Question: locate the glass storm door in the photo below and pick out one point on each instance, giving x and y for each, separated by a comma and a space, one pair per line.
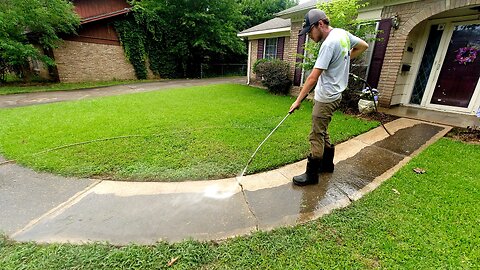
460, 70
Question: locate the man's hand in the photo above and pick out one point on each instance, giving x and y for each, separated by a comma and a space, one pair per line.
307, 86
295, 105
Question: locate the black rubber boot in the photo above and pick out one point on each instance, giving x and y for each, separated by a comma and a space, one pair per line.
327, 161
310, 177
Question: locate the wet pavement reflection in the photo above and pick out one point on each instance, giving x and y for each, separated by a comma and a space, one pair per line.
289, 204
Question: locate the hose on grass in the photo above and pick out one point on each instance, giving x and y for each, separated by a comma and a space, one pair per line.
126, 137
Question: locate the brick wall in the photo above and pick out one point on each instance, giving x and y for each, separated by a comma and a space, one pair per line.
79, 61
253, 59
410, 15
291, 49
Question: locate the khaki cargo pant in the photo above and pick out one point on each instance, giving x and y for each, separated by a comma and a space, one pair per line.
321, 117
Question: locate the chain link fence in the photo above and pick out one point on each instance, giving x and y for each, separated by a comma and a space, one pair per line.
222, 70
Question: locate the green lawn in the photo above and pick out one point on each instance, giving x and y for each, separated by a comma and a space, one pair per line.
17, 88
433, 223
180, 134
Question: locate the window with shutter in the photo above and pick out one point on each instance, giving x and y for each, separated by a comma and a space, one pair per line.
271, 48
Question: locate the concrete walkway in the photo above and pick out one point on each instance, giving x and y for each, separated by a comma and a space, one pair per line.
18, 100
46, 208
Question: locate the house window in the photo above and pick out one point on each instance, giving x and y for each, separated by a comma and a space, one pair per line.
361, 65
271, 48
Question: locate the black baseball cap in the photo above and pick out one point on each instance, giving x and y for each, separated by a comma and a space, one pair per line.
312, 17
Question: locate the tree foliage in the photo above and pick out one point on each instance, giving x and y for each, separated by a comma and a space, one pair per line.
175, 37
259, 11
179, 35
27, 22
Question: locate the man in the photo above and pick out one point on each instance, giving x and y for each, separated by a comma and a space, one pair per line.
330, 78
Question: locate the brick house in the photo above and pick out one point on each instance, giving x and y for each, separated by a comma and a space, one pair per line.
95, 52
426, 58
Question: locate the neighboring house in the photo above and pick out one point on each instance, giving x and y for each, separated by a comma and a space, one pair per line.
427, 56
95, 52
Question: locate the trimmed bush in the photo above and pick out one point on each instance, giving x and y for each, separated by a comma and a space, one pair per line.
274, 75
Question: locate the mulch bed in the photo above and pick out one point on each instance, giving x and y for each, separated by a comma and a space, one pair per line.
375, 116
468, 135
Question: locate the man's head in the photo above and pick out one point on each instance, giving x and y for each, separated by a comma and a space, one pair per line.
315, 19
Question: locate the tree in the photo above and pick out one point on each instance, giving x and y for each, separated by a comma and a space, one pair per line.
25, 22
259, 11
179, 35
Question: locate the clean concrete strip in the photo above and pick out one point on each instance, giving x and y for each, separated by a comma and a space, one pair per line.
145, 218
365, 163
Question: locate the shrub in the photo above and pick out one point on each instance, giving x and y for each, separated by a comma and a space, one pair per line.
274, 75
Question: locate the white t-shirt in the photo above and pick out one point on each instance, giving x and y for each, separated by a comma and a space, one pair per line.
334, 59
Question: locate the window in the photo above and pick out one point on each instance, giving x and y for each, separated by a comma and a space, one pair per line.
271, 48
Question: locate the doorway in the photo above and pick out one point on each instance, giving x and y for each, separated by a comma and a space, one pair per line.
451, 82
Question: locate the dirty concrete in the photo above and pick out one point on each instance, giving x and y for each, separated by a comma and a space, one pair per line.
26, 195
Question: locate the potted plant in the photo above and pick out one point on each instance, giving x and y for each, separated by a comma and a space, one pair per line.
368, 100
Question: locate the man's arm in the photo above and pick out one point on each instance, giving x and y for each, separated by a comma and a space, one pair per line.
309, 84
358, 49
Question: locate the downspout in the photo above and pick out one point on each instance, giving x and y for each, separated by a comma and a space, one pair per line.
304, 57
248, 61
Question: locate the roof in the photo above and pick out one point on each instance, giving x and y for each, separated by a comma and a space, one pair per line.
305, 6
94, 10
271, 26
104, 16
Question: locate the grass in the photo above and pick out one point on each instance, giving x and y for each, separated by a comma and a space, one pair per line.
19, 88
192, 133
433, 223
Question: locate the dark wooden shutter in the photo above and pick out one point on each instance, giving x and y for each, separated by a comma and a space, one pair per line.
260, 48
385, 25
298, 70
280, 47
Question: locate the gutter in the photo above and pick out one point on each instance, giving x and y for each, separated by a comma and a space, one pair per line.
104, 16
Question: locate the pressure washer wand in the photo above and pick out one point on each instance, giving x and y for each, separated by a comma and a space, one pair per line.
258, 148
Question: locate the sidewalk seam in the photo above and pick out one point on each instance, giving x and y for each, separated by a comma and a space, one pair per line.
248, 206
57, 208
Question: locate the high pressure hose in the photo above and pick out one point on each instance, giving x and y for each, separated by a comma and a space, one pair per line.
369, 87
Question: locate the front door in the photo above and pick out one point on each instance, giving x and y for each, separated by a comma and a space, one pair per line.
460, 71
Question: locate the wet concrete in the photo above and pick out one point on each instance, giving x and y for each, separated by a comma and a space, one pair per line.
351, 175
145, 219
144, 213
406, 141
439, 117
